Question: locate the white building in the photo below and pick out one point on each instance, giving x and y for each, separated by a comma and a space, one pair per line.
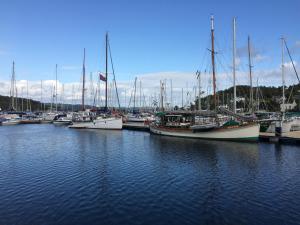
288, 106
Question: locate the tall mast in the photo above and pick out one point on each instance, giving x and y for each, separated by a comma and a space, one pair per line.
27, 102
56, 87
12, 88
250, 76
83, 81
233, 65
91, 90
182, 97
213, 60
171, 84
199, 89
22, 96
257, 95
282, 74
162, 95
140, 94
106, 68
41, 95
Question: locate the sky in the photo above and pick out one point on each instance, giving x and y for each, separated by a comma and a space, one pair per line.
152, 40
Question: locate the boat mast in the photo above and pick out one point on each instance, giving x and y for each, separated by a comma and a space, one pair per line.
199, 89
41, 95
106, 68
250, 76
171, 84
83, 80
282, 74
56, 87
140, 94
12, 89
213, 60
182, 97
134, 93
162, 95
234, 64
22, 96
27, 102
257, 95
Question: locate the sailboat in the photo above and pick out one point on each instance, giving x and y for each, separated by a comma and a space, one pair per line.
105, 120
284, 124
210, 125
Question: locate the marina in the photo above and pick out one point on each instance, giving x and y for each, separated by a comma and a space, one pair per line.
149, 112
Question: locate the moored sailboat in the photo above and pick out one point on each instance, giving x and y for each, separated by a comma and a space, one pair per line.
106, 120
210, 125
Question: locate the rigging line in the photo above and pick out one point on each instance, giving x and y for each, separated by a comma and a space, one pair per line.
130, 99
288, 51
291, 93
205, 55
113, 70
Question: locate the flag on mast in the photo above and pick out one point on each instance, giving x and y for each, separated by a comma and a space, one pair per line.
102, 77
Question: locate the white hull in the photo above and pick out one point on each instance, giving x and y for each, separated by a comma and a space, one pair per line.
7, 123
249, 132
62, 122
101, 123
79, 125
287, 126
136, 120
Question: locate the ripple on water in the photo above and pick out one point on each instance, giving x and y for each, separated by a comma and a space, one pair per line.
55, 175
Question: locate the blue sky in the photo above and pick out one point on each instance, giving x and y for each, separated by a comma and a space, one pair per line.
146, 36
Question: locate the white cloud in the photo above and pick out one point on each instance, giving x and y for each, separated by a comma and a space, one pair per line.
150, 86
259, 58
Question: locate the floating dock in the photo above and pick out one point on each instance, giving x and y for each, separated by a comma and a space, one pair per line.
136, 126
289, 137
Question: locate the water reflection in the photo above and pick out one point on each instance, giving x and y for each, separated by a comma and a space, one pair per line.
52, 174
246, 154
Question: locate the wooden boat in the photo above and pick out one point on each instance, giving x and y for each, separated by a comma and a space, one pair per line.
249, 132
185, 124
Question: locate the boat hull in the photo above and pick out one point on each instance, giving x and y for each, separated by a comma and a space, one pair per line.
101, 123
242, 133
8, 123
106, 123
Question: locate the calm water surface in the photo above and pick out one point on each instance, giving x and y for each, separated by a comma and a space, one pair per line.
55, 175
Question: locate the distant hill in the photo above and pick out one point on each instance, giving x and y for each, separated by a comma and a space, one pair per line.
269, 98
5, 105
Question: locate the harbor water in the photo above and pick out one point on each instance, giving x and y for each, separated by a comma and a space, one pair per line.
55, 175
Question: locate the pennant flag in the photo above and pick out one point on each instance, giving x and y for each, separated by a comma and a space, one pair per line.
102, 77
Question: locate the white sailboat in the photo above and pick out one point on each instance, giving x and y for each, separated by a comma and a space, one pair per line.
105, 121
